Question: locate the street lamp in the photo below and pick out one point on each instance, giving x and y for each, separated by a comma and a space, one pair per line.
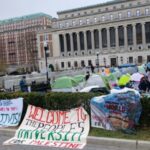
46, 55
97, 61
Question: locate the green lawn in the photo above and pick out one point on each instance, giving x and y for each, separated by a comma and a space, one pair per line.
141, 134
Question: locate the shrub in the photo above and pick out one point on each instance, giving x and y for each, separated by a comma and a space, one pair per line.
64, 101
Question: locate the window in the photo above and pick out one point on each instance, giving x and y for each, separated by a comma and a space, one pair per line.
103, 18
130, 59
62, 65
138, 13
60, 25
95, 19
111, 17
140, 59
69, 64
85, 12
114, 7
129, 14
67, 24
87, 21
80, 22
73, 23
122, 6
147, 11
130, 5
120, 15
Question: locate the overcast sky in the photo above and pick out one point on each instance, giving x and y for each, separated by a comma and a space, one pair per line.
16, 8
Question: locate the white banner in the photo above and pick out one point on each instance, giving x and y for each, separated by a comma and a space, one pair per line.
67, 129
10, 112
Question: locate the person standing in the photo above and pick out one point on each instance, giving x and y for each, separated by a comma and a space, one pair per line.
23, 84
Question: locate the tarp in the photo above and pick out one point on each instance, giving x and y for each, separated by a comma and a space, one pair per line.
117, 111
95, 79
10, 112
141, 69
40, 127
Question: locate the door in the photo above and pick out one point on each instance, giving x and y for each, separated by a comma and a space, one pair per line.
113, 62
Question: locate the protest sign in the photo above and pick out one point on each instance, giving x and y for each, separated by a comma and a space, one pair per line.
116, 111
40, 127
10, 112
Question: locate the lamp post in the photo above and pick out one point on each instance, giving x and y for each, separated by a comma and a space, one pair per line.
97, 61
46, 55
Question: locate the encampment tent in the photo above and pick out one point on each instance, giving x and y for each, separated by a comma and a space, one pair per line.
65, 84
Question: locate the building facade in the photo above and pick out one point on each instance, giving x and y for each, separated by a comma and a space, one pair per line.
18, 40
110, 34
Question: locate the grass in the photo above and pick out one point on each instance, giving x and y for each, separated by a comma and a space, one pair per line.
141, 134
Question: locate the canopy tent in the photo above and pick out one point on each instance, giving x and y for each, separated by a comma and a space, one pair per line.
95, 79
124, 79
65, 84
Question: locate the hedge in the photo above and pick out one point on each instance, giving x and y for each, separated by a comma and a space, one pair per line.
64, 101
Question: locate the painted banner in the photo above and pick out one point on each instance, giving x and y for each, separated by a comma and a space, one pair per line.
67, 129
116, 111
10, 112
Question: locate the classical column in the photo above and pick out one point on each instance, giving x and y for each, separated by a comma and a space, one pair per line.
78, 42
100, 39
134, 36
117, 39
85, 41
92, 38
143, 35
125, 38
71, 42
108, 38
65, 44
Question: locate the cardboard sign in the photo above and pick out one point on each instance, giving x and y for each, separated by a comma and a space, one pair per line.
67, 129
10, 112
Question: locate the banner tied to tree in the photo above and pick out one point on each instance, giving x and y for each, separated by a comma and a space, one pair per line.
40, 127
10, 112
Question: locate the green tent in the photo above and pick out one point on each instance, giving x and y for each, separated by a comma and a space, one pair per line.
64, 82
79, 78
124, 79
112, 80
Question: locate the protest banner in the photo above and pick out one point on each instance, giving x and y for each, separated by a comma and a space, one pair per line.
40, 127
10, 112
116, 111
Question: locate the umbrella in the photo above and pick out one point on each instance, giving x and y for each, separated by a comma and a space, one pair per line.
136, 77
